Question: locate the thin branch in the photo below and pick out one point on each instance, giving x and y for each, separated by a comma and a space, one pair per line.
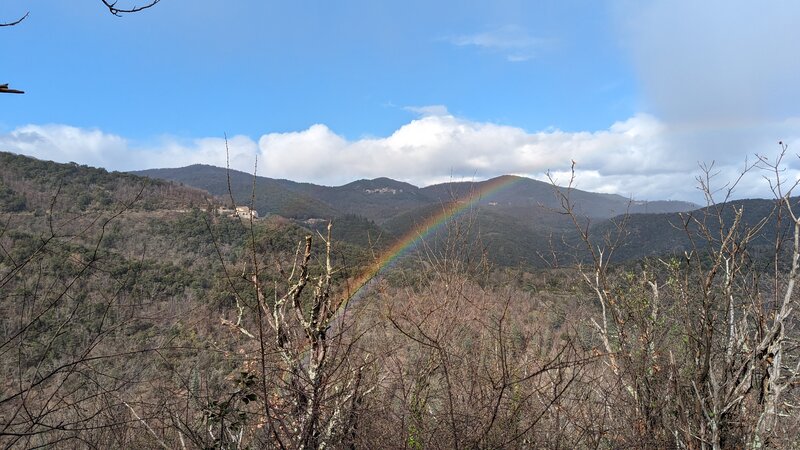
112, 7
11, 24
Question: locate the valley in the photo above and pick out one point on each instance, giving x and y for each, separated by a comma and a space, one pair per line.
150, 302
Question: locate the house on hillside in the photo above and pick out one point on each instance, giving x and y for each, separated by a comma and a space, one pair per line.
246, 213
383, 190
243, 212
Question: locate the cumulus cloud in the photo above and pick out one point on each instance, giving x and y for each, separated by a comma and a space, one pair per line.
512, 41
641, 157
64, 143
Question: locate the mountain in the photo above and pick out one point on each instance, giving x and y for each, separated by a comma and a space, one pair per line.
520, 194
517, 219
377, 199
383, 199
270, 196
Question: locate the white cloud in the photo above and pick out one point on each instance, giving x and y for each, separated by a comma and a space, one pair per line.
641, 157
64, 143
512, 41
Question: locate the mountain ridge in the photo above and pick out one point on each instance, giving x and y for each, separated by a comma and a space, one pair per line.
517, 218
340, 197
516, 223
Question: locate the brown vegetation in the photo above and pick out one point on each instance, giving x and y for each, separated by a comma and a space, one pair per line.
271, 349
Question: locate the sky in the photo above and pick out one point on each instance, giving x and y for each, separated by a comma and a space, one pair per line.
638, 93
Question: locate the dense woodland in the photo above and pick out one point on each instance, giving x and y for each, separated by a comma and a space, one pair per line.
134, 315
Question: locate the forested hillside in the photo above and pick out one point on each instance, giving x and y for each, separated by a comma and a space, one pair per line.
28, 184
270, 195
517, 219
383, 199
136, 315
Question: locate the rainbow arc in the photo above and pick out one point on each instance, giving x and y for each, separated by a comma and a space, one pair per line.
419, 233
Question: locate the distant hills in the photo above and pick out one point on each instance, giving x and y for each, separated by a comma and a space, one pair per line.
515, 221
271, 196
674, 233
384, 199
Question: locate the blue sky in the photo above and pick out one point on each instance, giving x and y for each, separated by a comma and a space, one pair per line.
424, 91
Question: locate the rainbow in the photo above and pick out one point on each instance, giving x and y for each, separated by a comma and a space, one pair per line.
421, 231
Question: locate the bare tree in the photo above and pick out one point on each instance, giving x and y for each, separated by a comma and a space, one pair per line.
700, 350
56, 388
301, 381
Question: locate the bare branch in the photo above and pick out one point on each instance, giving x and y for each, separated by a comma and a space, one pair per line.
4, 89
113, 9
11, 24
